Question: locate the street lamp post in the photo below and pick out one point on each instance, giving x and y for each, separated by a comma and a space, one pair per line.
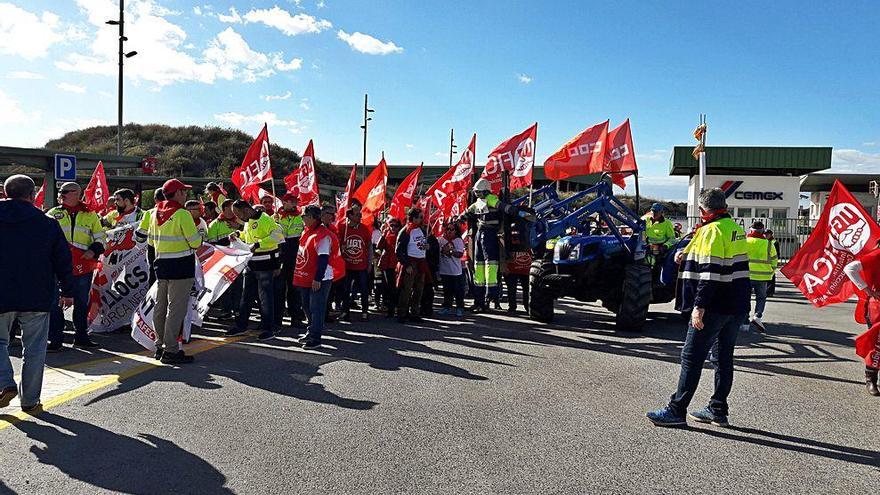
452, 145
122, 56
367, 118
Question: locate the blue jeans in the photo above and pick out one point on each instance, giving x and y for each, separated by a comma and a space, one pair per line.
759, 287
315, 303
34, 332
355, 280
256, 282
717, 327
82, 284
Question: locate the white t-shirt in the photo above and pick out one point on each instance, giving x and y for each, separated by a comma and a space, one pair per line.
323, 247
450, 265
418, 244
376, 237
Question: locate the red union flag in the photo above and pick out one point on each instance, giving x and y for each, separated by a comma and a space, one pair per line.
457, 178
371, 193
620, 154
97, 193
454, 206
41, 195
344, 199
517, 156
256, 166
403, 196
844, 232
304, 180
584, 154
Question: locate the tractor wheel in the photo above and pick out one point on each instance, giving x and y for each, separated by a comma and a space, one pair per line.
540, 299
636, 297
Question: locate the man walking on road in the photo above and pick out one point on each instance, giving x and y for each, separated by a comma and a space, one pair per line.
313, 275
716, 266
762, 266
176, 239
36, 259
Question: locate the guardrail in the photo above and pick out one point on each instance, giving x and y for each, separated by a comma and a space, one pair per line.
789, 233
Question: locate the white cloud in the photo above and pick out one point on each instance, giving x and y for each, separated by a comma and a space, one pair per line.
409, 146
523, 78
11, 113
25, 34
321, 4
870, 144
854, 161
232, 18
655, 156
236, 119
72, 88
285, 96
20, 74
304, 104
441, 154
365, 43
291, 25
106, 94
231, 57
197, 10
294, 64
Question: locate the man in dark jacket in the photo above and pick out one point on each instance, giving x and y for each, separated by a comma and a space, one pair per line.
411, 247
35, 259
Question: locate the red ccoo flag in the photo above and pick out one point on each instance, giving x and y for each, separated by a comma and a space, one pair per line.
371, 193
256, 166
457, 178
584, 154
41, 196
344, 199
517, 156
403, 196
620, 156
97, 193
304, 180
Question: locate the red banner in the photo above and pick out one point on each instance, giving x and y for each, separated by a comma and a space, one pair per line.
457, 178
584, 154
342, 201
371, 193
256, 166
403, 196
454, 206
517, 156
41, 196
620, 155
843, 233
97, 193
304, 180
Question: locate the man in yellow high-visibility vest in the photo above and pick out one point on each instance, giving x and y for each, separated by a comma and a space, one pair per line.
762, 266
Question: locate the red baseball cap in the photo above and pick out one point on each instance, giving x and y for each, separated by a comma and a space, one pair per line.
171, 186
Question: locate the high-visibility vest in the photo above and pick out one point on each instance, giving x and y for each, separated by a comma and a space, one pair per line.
116, 219
81, 232
486, 210
291, 226
717, 252
177, 237
264, 231
659, 232
143, 231
762, 259
219, 230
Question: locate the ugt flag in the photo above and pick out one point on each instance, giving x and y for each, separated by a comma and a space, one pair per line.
97, 194
371, 193
304, 180
255, 168
344, 199
403, 196
517, 156
845, 232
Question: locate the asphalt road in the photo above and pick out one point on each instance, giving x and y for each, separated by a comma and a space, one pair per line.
486, 404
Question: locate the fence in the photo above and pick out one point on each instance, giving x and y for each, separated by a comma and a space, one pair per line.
790, 233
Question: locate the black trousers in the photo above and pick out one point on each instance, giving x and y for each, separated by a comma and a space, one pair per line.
511, 281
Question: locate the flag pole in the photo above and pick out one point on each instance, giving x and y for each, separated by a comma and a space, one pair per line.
534, 161
703, 153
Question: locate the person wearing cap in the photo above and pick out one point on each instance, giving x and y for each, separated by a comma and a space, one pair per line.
175, 238
142, 234
289, 219
127, 211
762, 266
195, 210
715, 270
85, 235
265, 237
659, 231
218, 234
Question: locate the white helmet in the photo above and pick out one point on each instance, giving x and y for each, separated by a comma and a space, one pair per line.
482, 184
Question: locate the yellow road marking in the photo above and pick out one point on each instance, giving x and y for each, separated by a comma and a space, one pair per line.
148, 363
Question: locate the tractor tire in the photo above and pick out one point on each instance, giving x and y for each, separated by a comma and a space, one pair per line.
540, 299
636, 297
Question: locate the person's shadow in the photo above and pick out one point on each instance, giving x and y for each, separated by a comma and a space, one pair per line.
99, 457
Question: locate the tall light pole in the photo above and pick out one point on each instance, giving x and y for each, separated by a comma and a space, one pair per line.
367, 118
452, 145
122, 56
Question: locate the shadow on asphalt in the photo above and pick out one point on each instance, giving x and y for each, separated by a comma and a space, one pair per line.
99, 457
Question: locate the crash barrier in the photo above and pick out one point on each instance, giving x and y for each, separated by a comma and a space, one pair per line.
789, 233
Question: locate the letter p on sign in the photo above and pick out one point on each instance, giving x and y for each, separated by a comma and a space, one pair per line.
65, 167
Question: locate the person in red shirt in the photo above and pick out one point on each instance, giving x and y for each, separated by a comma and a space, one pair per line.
865, 275
357, 252
388, 263
314, 273
517, 266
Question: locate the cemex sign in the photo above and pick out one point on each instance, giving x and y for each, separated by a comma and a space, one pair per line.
732, 188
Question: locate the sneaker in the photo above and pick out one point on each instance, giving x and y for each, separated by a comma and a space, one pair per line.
705, 415
758, 325
511, 310
53, 348
311, 345
6, 395
444, 312
158, 354
365, 316
232, 332
33, 409
345, 316
85, 343
267, 335
176, 358
459, 312
665, 417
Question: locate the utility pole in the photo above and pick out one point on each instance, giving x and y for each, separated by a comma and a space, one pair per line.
122, 56
367, 118
452, 145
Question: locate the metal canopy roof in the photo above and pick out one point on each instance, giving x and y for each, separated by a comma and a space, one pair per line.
752, 160
823, 182
45, 159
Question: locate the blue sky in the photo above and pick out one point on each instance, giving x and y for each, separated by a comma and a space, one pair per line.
766, 73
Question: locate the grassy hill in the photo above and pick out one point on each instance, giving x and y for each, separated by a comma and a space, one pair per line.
189, 151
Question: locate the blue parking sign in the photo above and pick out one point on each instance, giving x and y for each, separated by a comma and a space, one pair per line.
65, 167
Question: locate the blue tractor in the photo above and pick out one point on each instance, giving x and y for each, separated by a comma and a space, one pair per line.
591, 247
